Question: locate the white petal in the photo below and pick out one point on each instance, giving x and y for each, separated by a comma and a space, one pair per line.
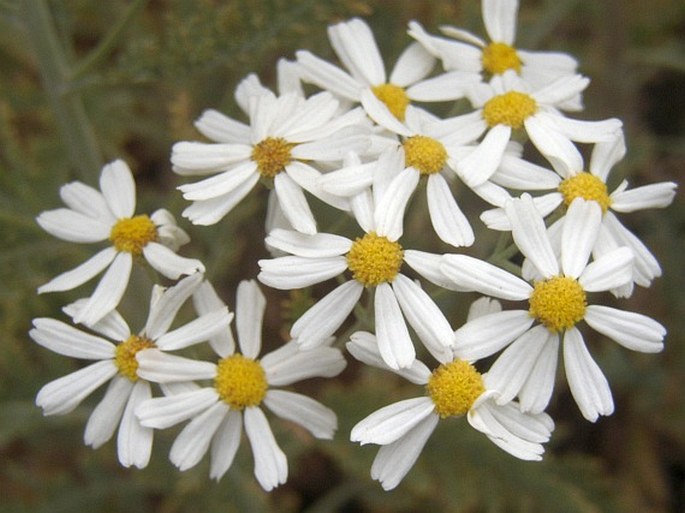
307, 178
73, 226
425, 317
389, 212
632, 330
164, 412
220, 128
582, 131
392, 422
585, 379
163, 310
113, 326
221, 184
530, 235
170, 264
118, 188
64, 339
294, 204
413, 64
394, 342
556, 147
395, 460
317, 245
536, 393
225, 444
134, 441
488, 334
354, 43
499, 18
249, 313
81, 274
606, 154
609, 271
66, 393
106, 416
292, 272
308, 413
196, 331
109, 291
288, 364
195, 158
481, 164
517, 173
656, 195
193, 441
160, 367
271, 466
483, 306
86, 200
324, 318
379, 112
327, 76
449, 222
428, 266
211, 211
473, 274
562, 89
581, 227
349, 180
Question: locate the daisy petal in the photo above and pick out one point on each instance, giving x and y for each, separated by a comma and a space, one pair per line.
292, 272
311, 246
221, 184
473, 274
118, 188
249, 313
86, 200
656, 195
196, 331
488, 334
134, 442
288, 364
606, 154
168, 263
161, 367
163, 310
164, 412
579, 234
632, 330
66, 340
81, 274
308, 413
208, 212
449, 222
193, 441
414, 64
536, 392
481, 164
225, 444
389, 213
107, 414
72, 226
499, 18
271, 466
392, 422
394, 342
611, 270
294, 204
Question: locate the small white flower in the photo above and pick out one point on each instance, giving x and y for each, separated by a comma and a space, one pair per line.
114, 352
455, 388
95, 216
507, 103
285, 135
241, 384
374, 261
557, 303
355, 46
471, 54
590, 184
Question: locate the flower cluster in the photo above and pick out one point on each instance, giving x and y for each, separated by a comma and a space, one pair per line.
365, 144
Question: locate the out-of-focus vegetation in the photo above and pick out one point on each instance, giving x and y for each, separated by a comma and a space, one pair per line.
83, 82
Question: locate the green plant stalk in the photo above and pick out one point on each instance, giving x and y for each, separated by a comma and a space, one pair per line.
73, 123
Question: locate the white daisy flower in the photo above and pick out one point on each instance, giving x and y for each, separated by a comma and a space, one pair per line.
95, 216
454, 389
285, 134
355, 46
507, 104
575, 182
241, 384
428, 148
556, 304
470, 53
374, 262
114, 351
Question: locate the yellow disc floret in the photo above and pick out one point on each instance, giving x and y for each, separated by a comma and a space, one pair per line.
425, 154
587, 186
394, 97
373, 259
131, 234
558, 302
499, 57
454, 387
510, 109
240, 381
125, 355
272, 155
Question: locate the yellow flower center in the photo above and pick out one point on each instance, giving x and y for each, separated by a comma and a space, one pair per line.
132, 234
394, 98
125, 355
510, 109
558, 302
499, 57
272, 155
373, 259
425, 154
587, 186
240, 381
454, 387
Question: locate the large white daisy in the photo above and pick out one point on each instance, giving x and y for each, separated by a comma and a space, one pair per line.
113, 349
374, 261
241, 384
355, 46
286, 134
575, 181
556, 304
469, 53
454, 389
96, 216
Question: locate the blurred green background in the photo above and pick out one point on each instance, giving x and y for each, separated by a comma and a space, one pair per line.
83, 82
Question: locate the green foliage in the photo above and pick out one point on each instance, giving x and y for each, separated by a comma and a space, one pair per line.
83, 82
